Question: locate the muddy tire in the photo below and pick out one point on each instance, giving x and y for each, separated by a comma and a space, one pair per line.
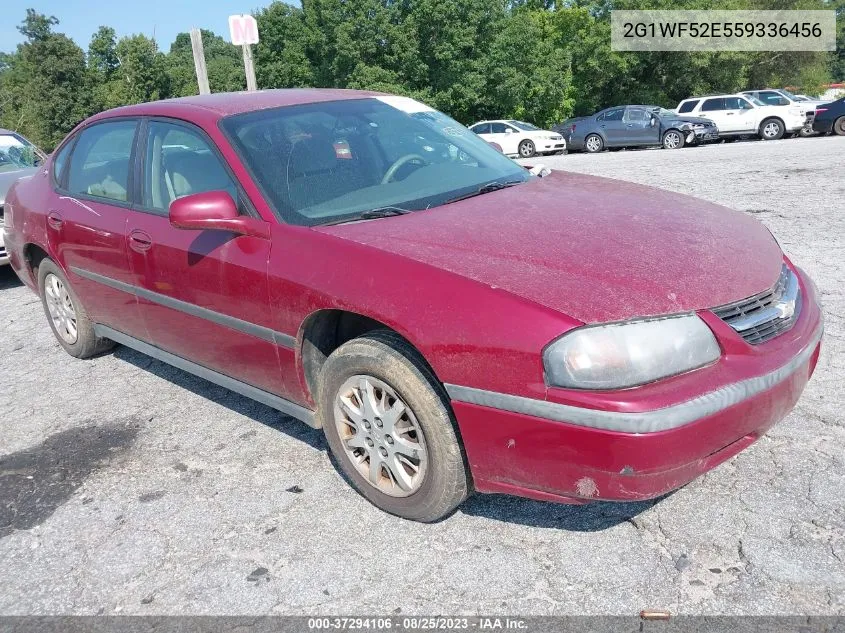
66, 315
388, 424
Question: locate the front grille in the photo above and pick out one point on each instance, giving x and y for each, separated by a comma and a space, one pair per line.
764, 316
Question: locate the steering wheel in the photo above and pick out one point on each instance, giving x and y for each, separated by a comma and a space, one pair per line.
407, 158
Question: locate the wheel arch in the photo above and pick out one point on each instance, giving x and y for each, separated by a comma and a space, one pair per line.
324, 330
33, 255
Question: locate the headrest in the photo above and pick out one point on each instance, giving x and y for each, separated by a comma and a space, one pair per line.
312, 155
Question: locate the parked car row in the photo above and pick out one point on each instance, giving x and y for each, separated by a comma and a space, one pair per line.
768, 114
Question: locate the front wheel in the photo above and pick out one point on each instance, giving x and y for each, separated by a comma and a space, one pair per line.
771, 130
839, 126
673, 140
527, 149
389, 426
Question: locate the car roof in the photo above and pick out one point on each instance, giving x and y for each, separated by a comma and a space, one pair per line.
224, 104
716, 94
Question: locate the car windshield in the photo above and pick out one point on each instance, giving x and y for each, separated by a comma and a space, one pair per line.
786, 93
17, 153
524, 126
755, 100
800, 98
663, 112
331, 162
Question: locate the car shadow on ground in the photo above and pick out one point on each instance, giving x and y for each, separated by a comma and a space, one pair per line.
222, 396
8, 278
592, 517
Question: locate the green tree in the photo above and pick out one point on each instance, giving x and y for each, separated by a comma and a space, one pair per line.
45, 88
223, 63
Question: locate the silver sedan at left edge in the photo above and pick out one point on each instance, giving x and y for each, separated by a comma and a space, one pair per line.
18, 158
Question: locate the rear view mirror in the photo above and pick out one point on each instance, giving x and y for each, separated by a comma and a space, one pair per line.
214, 210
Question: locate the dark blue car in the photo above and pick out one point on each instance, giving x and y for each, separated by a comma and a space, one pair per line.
638, 126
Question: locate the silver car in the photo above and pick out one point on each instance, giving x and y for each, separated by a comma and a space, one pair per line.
18, 158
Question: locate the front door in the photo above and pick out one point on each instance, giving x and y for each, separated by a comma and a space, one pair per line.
86, 222
638, 127
506, 136
204, 294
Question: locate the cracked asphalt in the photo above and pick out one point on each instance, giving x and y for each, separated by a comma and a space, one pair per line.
129, 487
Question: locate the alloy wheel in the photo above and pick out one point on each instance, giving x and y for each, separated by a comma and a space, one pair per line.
594, 143
61, 308
381, 435
771, 130
672, 140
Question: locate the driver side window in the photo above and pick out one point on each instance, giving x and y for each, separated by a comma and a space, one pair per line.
178, 162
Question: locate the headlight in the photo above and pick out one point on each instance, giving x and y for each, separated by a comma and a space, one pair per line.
623, 355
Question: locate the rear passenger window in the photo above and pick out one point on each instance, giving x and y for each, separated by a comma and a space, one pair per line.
612, 115
60, 161
179, 161
711, 105
687, 106
100, 163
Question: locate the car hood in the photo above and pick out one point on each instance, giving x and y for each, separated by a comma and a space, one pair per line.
691, 119
593, 248
9, 177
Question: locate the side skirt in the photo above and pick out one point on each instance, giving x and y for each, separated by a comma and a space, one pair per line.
271, 400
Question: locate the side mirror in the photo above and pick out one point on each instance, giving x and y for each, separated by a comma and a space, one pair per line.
214, 211
508, 131
653, 121
496, 147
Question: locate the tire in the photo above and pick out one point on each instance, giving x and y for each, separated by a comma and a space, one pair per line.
593, 144
771, 129
396, 374
839, 126
63, 307
673, 139
527, 149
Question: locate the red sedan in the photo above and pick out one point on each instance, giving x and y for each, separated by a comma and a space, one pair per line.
366, 264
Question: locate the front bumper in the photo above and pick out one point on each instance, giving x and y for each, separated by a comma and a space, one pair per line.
534, 451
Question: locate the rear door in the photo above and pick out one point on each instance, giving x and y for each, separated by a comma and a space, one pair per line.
715, 109
87, 218
638, 127
613, 127
204, 294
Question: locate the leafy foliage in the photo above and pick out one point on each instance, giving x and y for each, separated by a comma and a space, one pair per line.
538, 60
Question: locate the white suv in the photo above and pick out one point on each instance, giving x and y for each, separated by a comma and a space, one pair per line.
518, 138
784, 98
739, 114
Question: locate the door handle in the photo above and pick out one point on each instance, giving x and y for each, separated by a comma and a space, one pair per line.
729, 113
603, 126
54, 220
139, 241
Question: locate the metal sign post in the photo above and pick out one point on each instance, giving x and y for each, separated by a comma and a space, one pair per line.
243, 30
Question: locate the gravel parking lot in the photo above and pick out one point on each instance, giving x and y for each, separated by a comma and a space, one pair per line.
130, 487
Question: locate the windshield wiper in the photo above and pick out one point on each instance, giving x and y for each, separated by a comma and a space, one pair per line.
488, 188
381, 212
370, 214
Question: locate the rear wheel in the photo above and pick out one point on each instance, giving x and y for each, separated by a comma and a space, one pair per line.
527, 149
673, 139
67, 317
771, 129
839, 126
593, 143
390, 428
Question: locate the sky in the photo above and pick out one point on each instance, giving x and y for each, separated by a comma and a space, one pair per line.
164, 19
